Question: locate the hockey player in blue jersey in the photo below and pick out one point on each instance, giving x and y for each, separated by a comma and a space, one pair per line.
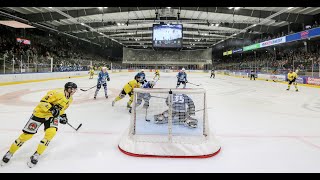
142, 76
182, 78
182, 109
145, 96
102, 77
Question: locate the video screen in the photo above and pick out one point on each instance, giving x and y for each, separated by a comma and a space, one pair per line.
167, 35
23, 41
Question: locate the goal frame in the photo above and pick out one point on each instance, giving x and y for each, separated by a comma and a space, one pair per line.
182, 146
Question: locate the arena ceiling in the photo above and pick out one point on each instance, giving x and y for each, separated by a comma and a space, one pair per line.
132, 26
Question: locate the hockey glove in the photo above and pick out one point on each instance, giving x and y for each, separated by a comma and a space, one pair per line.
108, 79
55, 111
63, 119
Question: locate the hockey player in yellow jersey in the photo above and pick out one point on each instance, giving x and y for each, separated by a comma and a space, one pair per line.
292, 76
50, 112
91, 72
157, 74
128, 89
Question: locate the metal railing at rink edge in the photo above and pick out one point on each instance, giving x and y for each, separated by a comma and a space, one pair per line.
11, 64
305, 67
165, 67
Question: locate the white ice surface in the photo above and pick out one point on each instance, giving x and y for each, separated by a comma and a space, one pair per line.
261, 127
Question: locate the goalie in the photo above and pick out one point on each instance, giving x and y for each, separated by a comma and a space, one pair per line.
182, 110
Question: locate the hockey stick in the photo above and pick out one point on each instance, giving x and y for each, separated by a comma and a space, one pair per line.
148, 120
194, 84
75, 128
158, 97
88, 89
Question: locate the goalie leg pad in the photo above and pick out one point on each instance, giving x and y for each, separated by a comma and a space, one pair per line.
191, 122
161, 118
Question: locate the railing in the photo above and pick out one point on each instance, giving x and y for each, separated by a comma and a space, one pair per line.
11, 64
305, 67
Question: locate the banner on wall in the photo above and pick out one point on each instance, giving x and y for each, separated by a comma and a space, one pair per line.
314, 32
300, 80
303, 35
314, 81
229, 52
224, 53
237, 51
273, 42
251, 47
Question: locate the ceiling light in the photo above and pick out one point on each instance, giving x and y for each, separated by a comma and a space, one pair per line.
82, 24
105, 7
100, 7
236, 8
168, 7
230, 7
290, 7
50, 7
254, 25
217, 25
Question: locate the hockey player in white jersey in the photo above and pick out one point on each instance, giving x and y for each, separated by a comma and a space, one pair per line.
182, 109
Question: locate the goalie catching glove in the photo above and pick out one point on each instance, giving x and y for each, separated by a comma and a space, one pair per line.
63, 119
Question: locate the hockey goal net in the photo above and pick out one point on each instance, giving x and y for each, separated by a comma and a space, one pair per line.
169, 123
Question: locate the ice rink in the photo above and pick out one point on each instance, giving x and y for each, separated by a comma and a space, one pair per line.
261, 127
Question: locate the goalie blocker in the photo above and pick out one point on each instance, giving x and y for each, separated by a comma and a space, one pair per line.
175, 124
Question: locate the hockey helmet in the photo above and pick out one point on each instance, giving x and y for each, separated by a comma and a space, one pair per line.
183, 69
70, 85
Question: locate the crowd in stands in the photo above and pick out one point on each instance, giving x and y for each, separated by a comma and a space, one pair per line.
275, 63
67, 54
